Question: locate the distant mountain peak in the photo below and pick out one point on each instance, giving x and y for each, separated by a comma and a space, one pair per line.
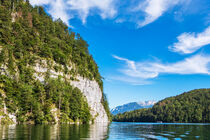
132, 106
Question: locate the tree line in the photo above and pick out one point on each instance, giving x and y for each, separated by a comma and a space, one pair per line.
189, 107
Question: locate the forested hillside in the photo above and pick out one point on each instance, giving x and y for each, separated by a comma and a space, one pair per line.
32, 45
193, 106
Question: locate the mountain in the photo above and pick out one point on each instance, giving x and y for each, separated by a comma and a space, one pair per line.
189, 107
47, 74
132, 106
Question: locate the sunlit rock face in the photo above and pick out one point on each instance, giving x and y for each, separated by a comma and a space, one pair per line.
89, 88
11, 116
92, 92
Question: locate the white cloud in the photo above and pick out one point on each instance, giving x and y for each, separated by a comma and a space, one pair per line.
39, 2
153, 9
191, 42
133, 70
83, 7
67, 9
129, 80
119, 20
198, 64
57, 9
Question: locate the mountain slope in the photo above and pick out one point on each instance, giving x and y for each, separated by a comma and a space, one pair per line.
192, 106
46, 71
132, 106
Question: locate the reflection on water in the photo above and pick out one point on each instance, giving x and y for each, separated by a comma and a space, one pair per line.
159, 131
98, 131
54, 132
105, 131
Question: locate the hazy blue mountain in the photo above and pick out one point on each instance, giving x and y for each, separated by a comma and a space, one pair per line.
132, 106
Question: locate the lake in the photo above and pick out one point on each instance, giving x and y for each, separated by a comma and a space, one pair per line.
115, 130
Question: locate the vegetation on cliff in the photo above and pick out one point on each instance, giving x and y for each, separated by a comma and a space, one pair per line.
29, 36
193, 106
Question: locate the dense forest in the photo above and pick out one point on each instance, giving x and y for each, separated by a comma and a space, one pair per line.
28, 36
191, 107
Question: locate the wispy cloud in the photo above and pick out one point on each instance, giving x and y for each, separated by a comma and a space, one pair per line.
153, 9
142, 13
129, 80
198, 64
105, 7
132, 69
40, 2
67, 9
191, 42
119, 20
56, 8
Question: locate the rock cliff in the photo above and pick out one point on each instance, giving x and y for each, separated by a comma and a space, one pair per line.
93, 94
47, 74
89, 88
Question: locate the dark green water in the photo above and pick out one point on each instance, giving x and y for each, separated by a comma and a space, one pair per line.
112, 131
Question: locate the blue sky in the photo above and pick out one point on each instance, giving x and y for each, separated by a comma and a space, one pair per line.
145, 49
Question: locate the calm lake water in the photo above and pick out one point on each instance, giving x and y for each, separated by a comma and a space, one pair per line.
102, 131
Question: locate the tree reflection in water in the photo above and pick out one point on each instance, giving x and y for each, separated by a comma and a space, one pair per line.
105, 131
54, 132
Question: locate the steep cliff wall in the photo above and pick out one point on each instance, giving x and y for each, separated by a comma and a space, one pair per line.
93, 94
89, 88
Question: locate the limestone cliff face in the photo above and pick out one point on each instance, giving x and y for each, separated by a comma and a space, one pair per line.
89, 88
93, 93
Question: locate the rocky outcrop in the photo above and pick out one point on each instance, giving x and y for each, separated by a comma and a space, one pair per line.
92, 92
89, 88
6, 117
